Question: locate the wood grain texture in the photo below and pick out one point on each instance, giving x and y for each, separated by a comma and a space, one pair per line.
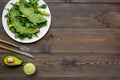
95, 15
85, 1
57, 66
77, 15
83, 43
69, 40
80, 1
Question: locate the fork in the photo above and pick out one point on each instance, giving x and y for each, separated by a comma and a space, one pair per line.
23, 48
16, 51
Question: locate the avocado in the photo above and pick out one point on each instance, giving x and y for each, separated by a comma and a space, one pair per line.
11, 60
43, 12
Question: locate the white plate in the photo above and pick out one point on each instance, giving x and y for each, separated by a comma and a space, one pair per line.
42, 32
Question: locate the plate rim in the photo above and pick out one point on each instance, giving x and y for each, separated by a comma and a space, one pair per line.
34, 39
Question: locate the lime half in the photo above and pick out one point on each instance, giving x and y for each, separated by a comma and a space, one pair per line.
29, 69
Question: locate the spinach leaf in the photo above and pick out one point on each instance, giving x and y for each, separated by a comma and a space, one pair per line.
33, 1
28, 4
43, 6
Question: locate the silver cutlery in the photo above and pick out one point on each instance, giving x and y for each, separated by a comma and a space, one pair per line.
24, 48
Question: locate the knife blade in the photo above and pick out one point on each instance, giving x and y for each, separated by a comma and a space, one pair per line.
16, 51
24, 48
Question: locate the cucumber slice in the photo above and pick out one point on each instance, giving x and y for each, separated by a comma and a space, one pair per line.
29, 69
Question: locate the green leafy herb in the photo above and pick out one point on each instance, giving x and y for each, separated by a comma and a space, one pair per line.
43, 6
28, 4
33, 1
13, 29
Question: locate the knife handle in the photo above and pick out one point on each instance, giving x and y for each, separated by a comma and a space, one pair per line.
20, 52
6, 42
3, 47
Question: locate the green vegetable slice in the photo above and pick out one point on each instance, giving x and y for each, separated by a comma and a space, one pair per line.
43, 12
29, 69
30, 14
18, 26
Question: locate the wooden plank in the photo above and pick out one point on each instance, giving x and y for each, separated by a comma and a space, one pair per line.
63, 78
84, 15
87, 15
80, 1
82, 44
67, 66
81, 40
85, 1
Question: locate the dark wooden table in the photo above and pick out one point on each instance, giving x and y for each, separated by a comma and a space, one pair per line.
83, 43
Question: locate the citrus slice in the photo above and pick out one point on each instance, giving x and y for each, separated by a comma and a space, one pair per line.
29, 69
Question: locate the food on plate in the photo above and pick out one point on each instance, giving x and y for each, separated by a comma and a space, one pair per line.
29, 12
43, 12
17, 25
11, 60
29, 69
26, 18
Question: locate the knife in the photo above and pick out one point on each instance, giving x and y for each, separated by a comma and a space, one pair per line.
24, 48
16, 51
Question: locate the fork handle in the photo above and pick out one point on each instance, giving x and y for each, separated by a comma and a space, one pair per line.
16, 51
6, 42
3, 47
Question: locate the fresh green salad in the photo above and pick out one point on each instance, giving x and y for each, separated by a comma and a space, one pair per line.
25, 18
